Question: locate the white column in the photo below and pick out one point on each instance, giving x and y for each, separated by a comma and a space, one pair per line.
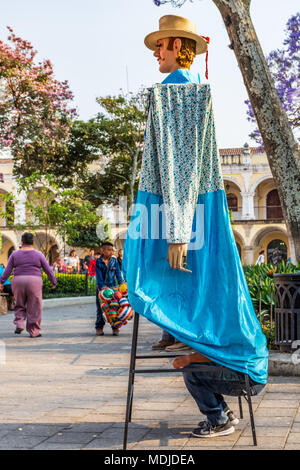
248, 205
20, 209
249, 254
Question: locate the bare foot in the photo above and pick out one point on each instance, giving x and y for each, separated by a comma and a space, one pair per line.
181, 361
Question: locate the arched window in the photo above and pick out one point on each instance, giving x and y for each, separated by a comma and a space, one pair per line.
239, 249
276, 251
10, 251
232, 202
274, 210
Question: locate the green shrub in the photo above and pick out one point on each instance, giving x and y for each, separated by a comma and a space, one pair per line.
260, 279
69, 285
270, 335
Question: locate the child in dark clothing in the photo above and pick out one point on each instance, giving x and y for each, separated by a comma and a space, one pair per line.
108, 274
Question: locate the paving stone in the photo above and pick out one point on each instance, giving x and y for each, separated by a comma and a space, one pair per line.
95, 428
266, 411
296, 427
272, 421
275, 404
55, 446
263, 443
66, 437
45, 430
297, 418
152, 448
294, 438
292, 447
111, 410
282, 396
104, 444
156, 406
199, 443
12, 440
214, 448
101, 418
68, 412
149, 415
267, 431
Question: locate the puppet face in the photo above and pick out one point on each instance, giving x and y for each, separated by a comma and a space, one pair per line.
167, 59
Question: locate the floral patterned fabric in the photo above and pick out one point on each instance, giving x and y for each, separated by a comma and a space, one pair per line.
180, 159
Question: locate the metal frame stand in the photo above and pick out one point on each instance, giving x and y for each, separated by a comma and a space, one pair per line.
133, 371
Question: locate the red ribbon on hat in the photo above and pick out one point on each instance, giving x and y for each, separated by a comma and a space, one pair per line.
206, 56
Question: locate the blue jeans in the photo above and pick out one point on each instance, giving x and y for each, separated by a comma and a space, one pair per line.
167, 337
100, 322
208, 387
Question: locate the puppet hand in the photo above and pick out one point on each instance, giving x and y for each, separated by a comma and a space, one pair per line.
175, 253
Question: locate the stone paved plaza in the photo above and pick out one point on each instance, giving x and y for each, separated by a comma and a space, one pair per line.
67, 390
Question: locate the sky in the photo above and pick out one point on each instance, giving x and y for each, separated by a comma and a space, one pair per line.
98, 46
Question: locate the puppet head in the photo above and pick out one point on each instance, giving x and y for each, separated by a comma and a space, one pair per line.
175, 43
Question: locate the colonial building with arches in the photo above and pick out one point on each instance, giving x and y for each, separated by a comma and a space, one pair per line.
252, 198
11, 237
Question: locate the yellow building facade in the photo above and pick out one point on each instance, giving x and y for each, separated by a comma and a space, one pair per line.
252, 197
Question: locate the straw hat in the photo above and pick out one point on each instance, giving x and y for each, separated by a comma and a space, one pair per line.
176, 26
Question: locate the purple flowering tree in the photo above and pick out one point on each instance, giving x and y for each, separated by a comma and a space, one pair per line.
279, 142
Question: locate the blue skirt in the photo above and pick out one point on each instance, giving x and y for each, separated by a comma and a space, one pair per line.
209, 309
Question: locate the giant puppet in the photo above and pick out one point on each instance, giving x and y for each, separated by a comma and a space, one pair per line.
181, 210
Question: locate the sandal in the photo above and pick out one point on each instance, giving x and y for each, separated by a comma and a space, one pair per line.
18, 331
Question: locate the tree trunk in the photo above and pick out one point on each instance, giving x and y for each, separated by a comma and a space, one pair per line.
279, 143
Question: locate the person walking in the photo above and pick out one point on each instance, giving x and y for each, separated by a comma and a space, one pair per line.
7, 290
261, 258
108, 273
59, 266
27, 285
73, 263
87, 259
92, 265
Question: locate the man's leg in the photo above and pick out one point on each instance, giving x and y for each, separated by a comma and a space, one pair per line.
207, 388
202, 388
166, 340
100, 322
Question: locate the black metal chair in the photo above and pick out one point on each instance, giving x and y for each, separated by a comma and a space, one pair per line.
133, 371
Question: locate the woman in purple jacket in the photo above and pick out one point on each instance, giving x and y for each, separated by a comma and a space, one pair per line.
27, 285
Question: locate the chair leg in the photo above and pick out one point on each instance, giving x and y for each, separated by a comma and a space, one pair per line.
240, 407
131, 379
250, 409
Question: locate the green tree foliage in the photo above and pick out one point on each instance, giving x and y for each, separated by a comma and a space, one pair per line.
120, 127
55, 210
